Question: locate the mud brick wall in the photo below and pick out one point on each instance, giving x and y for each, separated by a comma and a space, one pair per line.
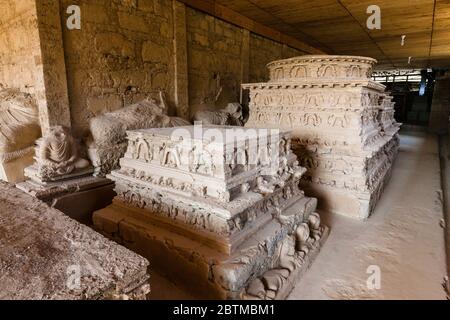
122, 54
214, 61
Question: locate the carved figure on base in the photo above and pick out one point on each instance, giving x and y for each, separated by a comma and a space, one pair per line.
57, 154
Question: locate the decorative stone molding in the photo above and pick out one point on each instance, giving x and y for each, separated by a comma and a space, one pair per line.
292, 256
322, 67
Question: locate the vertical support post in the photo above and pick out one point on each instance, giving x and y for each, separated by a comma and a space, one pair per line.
245, 60
180, 57
52, 92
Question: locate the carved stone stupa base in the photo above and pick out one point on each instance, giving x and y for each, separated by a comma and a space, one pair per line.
342, 123
219, 229
206, 272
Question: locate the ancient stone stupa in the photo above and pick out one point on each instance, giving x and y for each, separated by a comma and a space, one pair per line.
217, 209
342, 123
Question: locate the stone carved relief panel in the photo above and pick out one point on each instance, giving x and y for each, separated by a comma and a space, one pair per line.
294, 99
321, 67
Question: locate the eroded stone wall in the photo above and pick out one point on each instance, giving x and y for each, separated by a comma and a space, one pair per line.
214, 61
20, 54
122, 54
221, 56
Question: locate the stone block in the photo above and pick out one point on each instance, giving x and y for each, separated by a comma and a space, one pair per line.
12, 171
215, 219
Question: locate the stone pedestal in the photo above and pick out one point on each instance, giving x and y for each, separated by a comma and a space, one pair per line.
19, 129
342, 125
211, 219
78, 194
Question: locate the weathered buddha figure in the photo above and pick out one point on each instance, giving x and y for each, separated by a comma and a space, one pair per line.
57, 153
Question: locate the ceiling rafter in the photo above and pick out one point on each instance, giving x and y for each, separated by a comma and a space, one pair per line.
327, 49
338, 27
217, 10
431, 33
366, 32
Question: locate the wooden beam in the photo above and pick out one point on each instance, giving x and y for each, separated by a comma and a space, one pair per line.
431, 33
221, 12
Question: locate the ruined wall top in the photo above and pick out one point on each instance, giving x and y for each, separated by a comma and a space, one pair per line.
321, 67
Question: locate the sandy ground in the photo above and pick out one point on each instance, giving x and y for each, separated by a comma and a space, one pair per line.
403, 237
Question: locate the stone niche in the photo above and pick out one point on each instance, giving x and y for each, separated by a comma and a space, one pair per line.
342, 124
219, 212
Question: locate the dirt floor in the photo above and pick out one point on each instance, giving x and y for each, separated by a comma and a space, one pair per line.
404, 237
